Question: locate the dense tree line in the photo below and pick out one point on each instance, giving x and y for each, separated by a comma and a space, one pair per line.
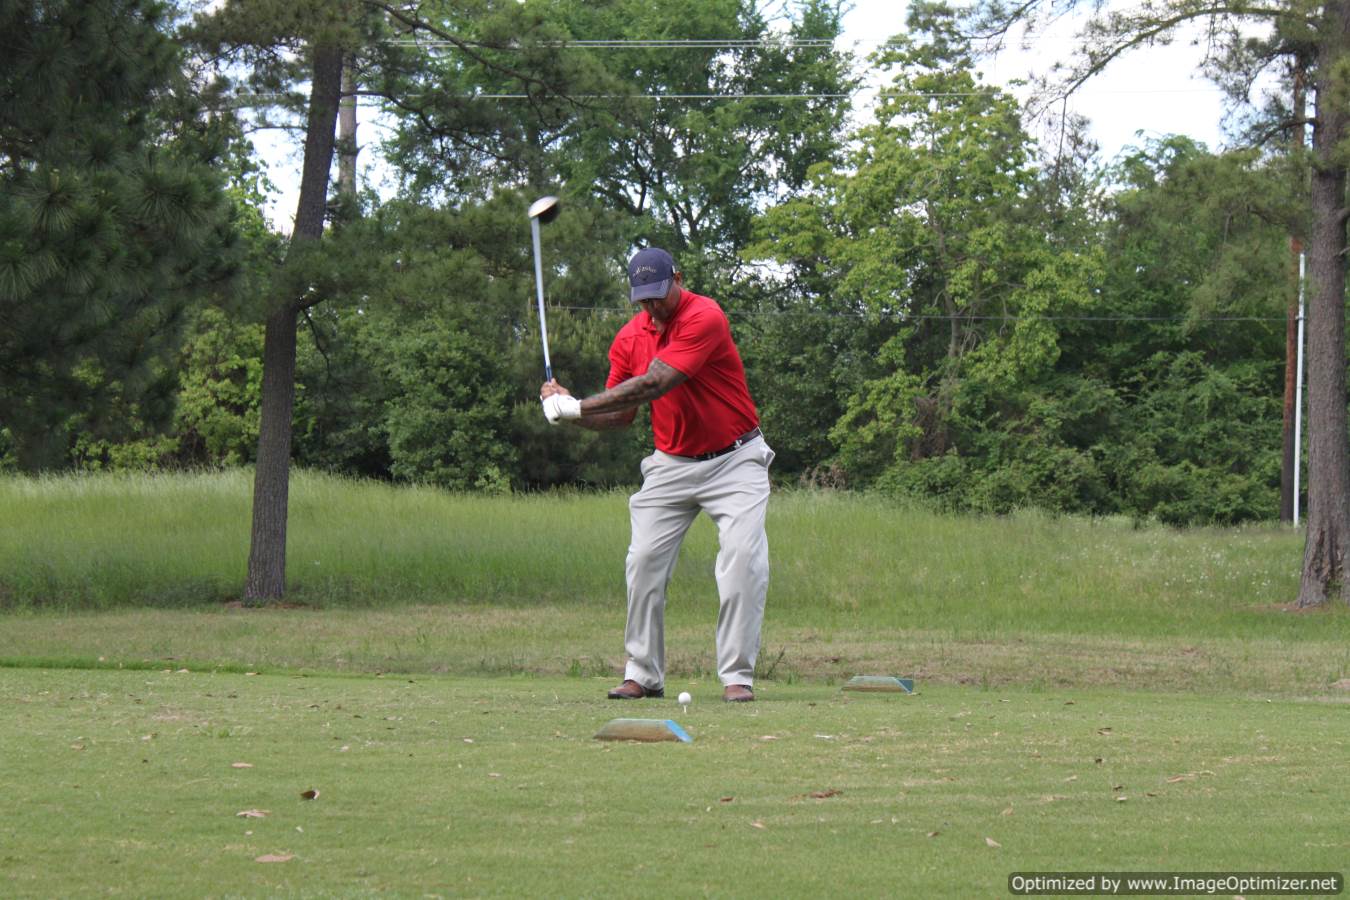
933, 303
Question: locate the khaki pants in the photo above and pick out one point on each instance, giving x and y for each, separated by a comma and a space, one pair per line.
733, 489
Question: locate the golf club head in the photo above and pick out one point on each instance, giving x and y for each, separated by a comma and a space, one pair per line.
545, 209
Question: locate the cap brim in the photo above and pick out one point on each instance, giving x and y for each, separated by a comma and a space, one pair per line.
650, 291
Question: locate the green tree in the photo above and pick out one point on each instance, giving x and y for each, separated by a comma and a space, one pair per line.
219, 386
1198, 273
268, 52
431, 374
928, 225
1307, 37
112, 222
677, 123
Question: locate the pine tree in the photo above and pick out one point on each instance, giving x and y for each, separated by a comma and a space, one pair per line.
111, 220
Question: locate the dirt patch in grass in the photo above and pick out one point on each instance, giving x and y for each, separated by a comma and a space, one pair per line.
1066, 661
269, 606
584, 642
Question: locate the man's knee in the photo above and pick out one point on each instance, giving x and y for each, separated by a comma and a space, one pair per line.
650, 558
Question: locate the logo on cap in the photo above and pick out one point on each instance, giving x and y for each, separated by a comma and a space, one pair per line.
650, 272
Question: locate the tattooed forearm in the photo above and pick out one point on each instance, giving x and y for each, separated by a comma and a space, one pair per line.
634, 392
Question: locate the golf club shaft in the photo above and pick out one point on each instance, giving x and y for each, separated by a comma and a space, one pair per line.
539, 289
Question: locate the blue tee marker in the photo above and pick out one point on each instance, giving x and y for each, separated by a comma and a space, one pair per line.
880, 684
647, 730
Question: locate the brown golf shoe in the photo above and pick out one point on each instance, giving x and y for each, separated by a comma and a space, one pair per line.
738, 693
631, 690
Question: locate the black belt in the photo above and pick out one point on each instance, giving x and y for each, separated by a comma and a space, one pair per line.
735, 445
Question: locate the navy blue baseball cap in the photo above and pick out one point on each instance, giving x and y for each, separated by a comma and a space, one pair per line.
650, 272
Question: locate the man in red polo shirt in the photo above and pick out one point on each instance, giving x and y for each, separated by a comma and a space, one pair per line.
677, 354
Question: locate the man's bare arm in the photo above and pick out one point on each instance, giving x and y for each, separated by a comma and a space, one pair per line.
634, 392
617, 407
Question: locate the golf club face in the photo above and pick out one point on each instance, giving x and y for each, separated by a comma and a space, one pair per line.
545, 209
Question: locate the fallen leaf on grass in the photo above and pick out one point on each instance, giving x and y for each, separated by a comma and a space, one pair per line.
933, 834
275, 857
77, 746
241, 765
829, 792
252, 814
1121, 799
1072, 778
311, 794
1007, 812
757, 824
770, 737
725, 799
992, 843
1104, 731
1175, 778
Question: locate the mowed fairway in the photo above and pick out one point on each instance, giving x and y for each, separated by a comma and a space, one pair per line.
125, 783
1093, 695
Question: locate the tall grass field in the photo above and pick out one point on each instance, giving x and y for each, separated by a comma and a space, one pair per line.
109, 542
1093, 695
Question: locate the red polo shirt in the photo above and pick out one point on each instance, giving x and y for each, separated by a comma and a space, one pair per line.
713, 407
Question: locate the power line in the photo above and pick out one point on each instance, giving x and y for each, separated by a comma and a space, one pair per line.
768, 43
720, 96
948, 317
735, 95
652, 44
246, 99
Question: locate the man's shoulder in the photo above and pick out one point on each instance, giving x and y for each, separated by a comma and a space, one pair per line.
702, 304
701, 310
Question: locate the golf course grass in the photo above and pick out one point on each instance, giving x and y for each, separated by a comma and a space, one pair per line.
133, 782
1092, 696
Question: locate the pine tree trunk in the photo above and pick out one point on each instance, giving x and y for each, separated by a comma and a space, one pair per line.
271, 482
1324, 554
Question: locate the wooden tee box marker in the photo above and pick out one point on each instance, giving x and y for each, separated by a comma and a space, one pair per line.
887, 684
646, 730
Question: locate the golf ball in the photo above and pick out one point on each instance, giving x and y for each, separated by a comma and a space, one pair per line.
685, 698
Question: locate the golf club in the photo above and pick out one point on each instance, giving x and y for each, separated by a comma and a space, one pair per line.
545, 210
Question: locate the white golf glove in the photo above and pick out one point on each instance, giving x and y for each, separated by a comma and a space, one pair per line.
561, 406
